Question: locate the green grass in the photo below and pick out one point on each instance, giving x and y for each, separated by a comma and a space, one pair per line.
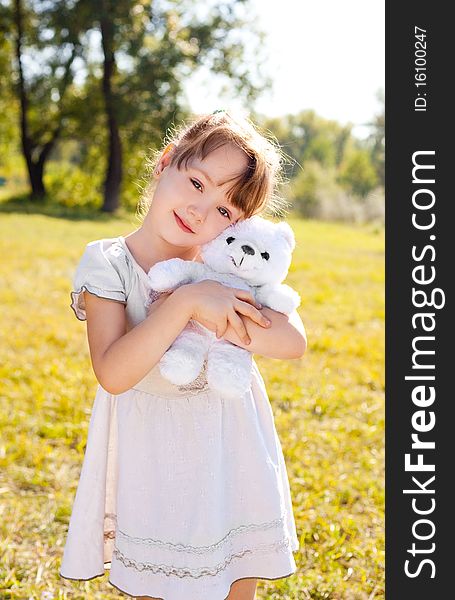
328, 406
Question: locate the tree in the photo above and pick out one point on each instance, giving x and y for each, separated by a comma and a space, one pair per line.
308, 137
357, 173
43, 33
144, 49
330, 172
8, 106
147, 50
376, 140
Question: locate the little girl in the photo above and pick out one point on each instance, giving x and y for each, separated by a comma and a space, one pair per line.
182, 495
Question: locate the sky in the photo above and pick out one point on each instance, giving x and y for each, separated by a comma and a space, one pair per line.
324, 55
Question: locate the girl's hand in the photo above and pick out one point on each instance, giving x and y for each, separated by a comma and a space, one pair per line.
213, 302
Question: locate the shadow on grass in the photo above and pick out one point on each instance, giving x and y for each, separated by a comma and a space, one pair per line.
23, 204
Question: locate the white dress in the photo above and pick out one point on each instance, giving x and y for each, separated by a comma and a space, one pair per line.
181, 493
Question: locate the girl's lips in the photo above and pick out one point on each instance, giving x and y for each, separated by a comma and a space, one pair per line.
181, 224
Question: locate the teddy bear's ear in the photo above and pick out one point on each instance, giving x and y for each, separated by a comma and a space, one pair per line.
286, 231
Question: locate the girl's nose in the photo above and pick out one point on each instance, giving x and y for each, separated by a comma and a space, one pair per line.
197, 213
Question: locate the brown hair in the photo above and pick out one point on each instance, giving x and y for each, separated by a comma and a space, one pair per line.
252, 192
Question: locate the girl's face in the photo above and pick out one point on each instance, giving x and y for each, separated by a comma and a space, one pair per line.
188, 207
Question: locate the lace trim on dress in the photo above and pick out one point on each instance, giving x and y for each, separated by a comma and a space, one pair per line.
110, 526
202, 549
199, 384
153, 295
282, 545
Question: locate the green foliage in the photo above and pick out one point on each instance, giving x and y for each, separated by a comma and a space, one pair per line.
135, 180
75, 176
9, 114
357, 172
315, 192
306, 137
70, 186
376, 140
152, 48
49, 46
332, 175
306, 188
328, 407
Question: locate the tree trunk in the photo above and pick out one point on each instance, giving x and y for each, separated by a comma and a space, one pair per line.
35, 160
35, 175
114, 168
36, 180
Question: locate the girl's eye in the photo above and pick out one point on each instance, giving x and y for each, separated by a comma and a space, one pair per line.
225, 213
195, 181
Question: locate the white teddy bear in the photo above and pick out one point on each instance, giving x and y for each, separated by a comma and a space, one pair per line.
254, 255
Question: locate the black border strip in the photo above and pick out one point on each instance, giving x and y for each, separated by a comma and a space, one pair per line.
423, 134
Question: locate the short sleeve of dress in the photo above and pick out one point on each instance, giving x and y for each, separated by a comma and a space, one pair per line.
99, 273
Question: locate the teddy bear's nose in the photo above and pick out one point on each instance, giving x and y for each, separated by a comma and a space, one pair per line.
248, 250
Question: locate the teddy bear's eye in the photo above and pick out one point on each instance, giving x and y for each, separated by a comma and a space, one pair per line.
265, 255
229, 240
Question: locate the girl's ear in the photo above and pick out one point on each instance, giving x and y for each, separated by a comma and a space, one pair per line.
165, 158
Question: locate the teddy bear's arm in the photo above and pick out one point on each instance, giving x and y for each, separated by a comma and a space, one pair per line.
281, 298
170, 274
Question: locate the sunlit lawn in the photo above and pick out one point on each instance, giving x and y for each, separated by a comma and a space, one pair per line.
328, 408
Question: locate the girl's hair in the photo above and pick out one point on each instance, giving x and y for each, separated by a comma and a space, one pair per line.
252, 192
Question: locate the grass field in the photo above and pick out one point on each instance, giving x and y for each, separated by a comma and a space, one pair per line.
328, 407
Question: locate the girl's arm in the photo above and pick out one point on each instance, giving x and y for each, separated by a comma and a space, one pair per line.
121, 359
285, 338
